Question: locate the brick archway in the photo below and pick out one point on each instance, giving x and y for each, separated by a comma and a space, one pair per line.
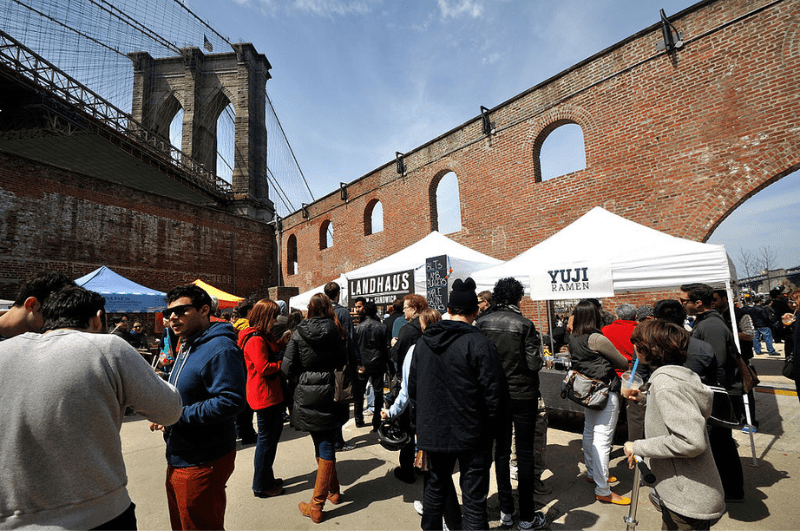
674, 140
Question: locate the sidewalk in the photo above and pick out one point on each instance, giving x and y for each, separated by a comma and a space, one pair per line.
374, 499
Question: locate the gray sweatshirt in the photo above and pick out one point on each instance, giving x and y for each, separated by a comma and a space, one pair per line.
63, 397
677, 444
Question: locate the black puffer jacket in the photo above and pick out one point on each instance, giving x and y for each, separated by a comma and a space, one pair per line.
457, 388
313, 352
372, 343
518, 347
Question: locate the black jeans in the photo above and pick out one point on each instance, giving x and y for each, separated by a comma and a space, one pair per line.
672, 521
358, 395
270, 427
729, 465
522, 413
474, 469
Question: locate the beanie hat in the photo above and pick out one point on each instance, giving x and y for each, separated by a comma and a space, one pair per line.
463, 295
643, 312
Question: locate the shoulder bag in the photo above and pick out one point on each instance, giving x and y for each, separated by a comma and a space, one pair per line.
722, 413
788, 367
585, 391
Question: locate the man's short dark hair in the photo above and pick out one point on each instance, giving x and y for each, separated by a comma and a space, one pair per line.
332, 290
721, 293
41, 286
370, 308
362, 300
398, 305
486, 295
699, 292
117, 319
196, 294
71, 307
508, 291
669, 310
246, 305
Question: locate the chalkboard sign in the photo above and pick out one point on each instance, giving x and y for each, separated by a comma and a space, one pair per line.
436, 282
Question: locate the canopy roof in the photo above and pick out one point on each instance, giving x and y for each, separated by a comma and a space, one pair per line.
122, 294
463, 261
226, 300
640, 258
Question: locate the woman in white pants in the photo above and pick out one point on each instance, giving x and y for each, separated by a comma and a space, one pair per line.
593, 355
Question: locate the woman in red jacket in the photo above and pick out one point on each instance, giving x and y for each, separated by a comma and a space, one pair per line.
263, 357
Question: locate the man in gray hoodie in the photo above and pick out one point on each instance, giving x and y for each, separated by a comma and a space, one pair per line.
63, 397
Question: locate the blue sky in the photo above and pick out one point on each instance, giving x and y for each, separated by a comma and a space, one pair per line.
355, 81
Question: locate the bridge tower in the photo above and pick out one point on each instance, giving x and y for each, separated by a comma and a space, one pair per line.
203, 86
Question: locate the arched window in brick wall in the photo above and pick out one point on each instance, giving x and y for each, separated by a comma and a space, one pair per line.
373, 217
559, 150
291, 255
326, 234
445, 203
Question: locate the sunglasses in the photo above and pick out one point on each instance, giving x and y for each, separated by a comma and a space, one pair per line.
177, 310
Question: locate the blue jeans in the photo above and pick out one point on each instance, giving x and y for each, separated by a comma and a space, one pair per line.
474, 468
522, 413
324, 442
766, 333
270, 426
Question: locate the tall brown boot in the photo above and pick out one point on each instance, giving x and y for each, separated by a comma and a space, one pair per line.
314, 509
334, 494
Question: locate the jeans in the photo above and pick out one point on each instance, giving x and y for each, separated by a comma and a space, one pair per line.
196, 494
474, 481
598, 431
766, 333
324, 442
522, 414
270, 426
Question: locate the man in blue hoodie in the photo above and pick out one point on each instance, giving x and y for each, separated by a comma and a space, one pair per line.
201, 446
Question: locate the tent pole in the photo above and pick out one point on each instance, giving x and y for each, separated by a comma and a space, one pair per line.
745, 398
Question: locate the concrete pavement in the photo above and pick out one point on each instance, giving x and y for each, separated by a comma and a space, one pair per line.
374, 499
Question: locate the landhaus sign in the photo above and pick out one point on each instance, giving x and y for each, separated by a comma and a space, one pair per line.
382, 289
575, 280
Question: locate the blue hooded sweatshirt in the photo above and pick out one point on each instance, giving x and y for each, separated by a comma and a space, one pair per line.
209, 374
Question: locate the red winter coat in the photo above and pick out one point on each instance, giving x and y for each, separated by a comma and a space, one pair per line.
263, 376
619, 333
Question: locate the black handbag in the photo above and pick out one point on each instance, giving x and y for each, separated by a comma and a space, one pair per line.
722, 413
585, 391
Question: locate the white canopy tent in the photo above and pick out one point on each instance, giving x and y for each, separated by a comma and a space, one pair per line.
462, 260
625, 256
639, 258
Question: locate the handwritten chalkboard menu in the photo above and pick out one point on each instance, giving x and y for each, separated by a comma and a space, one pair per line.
436, 282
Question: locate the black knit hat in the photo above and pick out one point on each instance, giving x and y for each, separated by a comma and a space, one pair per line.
463, 295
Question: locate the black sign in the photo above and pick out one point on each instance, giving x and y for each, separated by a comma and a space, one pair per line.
436, 282
382, 289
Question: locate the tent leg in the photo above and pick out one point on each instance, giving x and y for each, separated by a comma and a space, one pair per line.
750, 427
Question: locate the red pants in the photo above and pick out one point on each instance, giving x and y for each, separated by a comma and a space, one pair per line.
196, 494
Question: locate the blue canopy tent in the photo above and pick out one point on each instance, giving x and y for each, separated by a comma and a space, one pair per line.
121, 294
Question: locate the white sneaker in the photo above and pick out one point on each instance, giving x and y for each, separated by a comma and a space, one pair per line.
444, 525
506, 519
514, 470
538, 522
418, 507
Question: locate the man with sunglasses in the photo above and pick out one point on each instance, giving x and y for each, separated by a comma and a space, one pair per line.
201, 446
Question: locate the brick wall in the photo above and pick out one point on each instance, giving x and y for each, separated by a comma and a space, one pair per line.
673, 141
51, 219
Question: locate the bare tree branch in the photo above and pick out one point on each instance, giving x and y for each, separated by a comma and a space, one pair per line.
767, 257
748, 261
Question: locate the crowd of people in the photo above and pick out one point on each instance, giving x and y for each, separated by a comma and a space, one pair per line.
463, 389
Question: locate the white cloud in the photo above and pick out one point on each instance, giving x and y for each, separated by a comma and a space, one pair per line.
458, 8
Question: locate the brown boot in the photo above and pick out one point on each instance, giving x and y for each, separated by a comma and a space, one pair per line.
314, 509
334, 494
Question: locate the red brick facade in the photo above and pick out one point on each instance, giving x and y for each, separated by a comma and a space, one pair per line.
56, 220
673, 141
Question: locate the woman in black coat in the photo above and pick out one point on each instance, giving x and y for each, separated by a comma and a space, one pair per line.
318, 348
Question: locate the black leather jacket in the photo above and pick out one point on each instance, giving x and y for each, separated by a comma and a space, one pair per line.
517, 344
372, 343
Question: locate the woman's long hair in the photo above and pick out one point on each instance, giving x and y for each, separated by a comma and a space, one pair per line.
585, 318
263, 314
320, 306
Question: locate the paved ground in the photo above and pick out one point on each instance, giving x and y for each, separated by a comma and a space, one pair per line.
374, 499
